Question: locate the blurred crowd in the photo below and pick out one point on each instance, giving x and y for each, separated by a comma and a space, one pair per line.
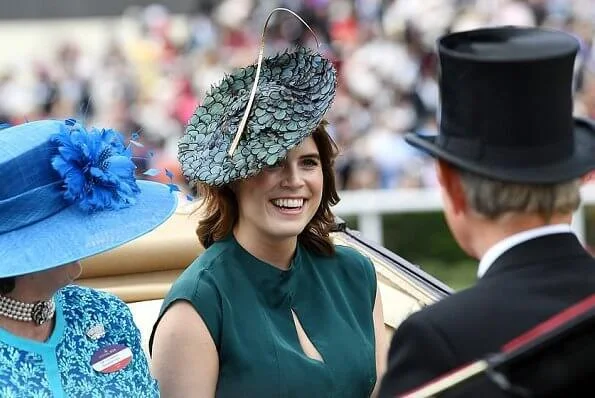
382, 49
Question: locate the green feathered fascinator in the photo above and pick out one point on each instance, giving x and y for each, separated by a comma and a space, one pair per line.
242, 127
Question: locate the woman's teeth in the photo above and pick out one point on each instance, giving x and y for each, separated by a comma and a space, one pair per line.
289, 203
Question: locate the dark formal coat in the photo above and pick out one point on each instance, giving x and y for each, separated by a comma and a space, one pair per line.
526, 285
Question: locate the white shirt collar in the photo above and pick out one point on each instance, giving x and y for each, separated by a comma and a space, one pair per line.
499, 248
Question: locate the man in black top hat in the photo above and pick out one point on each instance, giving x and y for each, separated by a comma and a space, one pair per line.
509, 161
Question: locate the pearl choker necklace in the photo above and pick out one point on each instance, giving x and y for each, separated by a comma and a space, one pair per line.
39, 312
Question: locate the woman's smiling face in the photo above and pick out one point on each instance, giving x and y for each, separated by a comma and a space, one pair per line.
282, 199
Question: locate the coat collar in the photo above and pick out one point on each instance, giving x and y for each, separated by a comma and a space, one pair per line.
506, 244
538, 251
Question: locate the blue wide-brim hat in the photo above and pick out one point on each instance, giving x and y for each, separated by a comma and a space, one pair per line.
68, 193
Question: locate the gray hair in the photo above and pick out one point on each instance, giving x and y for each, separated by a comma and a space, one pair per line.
492, 198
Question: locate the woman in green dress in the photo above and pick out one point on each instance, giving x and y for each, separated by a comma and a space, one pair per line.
271, 308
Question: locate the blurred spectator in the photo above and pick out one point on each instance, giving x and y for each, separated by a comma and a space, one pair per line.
45, 93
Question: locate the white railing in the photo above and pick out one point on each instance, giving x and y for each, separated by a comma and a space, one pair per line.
370, 205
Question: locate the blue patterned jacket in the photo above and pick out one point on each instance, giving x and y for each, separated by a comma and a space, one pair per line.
62, 365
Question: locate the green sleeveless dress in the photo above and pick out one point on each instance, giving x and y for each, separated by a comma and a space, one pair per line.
246, 305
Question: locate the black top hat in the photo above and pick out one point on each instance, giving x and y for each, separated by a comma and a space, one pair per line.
506, 106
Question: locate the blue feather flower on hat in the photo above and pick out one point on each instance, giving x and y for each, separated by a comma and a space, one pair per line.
97, 168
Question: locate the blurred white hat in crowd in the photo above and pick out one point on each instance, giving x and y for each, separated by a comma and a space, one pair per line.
377, 65
512, 12
233, 13
430, 17
468, 20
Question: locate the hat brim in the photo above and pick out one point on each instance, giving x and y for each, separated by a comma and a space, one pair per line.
582, 161
71, 234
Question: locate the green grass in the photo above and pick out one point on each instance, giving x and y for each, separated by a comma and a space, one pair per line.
457, 275
425, 240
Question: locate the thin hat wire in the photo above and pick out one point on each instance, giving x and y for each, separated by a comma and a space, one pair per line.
244, 120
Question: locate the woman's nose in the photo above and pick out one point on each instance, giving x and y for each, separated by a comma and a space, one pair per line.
292, 177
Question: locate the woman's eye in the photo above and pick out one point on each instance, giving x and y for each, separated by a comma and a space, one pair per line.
311, 162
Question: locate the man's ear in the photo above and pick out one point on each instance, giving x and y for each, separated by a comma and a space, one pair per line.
588, 178
450, 181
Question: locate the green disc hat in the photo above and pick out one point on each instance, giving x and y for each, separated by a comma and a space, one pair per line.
242, 127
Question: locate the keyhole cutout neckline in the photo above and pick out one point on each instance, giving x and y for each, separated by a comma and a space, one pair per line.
307, 346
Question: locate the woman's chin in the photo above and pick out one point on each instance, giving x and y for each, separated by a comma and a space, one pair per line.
286, 229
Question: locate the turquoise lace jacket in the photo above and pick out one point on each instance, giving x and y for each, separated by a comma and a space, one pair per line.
62, 366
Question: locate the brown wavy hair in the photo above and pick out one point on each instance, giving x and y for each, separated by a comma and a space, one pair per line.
219, 207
